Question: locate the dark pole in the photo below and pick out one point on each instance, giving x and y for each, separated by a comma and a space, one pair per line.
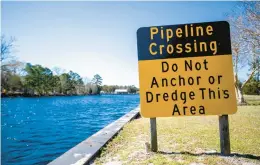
224, 135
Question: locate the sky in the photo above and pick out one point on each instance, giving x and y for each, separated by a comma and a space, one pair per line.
95, 37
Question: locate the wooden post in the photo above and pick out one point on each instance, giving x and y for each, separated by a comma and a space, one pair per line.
224, 135
154, 146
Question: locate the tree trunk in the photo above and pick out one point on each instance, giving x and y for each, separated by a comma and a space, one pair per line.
239, 95
238, 90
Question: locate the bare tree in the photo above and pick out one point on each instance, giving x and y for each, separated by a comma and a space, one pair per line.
6, 48
10, 67
8, 62
245, 34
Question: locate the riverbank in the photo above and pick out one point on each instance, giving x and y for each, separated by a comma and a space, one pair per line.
35, 95
47, 95
187, 140
84, 152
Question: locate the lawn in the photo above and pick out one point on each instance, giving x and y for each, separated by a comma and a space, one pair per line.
252, 99
187, 140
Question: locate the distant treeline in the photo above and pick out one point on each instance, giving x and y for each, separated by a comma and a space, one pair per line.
36, 80
19, 79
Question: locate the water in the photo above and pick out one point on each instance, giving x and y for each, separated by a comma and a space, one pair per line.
38, 130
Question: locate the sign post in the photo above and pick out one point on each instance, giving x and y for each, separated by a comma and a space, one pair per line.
224, 135
154, 146
186, 70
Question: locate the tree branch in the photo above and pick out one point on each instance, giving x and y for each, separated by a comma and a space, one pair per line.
248, 79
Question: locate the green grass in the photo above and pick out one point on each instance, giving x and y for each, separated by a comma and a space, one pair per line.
252, 99
186, 140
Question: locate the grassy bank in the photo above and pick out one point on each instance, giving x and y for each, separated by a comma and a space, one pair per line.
252, 99
187, 140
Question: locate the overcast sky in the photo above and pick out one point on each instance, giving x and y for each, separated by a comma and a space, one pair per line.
95, 37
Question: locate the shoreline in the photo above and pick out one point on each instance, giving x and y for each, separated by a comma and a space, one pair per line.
13, 95
86, 151
50, 95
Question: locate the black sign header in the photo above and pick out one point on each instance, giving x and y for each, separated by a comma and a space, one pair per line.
185, 40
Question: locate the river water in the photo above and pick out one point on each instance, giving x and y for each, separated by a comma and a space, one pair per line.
38, 130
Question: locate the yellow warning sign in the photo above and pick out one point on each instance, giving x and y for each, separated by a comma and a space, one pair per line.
186, 70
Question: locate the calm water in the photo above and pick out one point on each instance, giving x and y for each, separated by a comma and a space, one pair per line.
38, 130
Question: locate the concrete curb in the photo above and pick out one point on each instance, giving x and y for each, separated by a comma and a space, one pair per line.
85, 151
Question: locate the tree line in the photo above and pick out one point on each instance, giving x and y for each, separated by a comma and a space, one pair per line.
37, 80
25, 79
